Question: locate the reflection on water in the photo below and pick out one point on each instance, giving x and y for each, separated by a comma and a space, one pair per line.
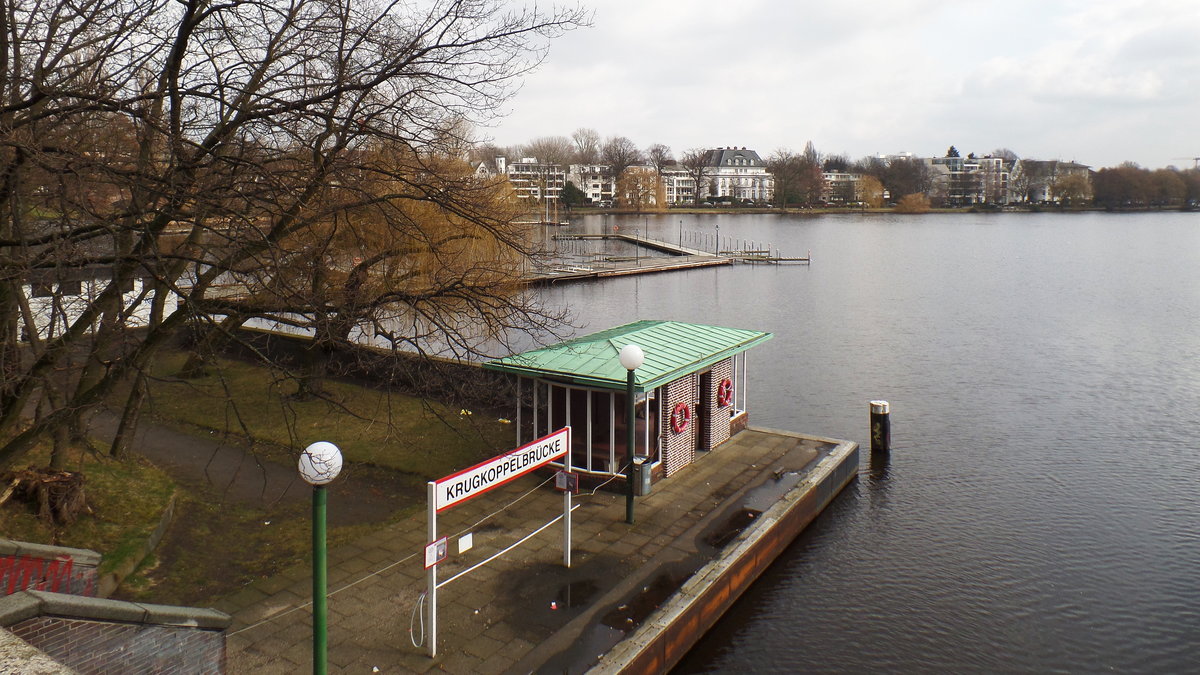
1038, 508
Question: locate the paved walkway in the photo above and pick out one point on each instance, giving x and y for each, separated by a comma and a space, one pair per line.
523, 612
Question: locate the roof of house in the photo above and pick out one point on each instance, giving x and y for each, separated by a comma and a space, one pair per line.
734, 157
673, 349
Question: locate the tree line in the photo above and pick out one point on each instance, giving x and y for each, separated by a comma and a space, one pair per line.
799, 176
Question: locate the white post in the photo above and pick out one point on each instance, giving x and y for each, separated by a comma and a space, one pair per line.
519, 406
612, 431
535, 409
646, 436
431, 573
745, 382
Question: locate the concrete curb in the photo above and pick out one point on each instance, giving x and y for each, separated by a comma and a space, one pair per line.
29, 604
108, 582
81, 556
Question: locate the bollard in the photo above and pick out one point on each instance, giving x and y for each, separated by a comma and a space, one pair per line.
881, 427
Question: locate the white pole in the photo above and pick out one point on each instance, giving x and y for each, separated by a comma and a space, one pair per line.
612, 430
519, 406
646, 440
745, 381
535, 410
431, 573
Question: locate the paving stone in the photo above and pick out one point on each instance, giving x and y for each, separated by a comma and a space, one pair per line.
370, 621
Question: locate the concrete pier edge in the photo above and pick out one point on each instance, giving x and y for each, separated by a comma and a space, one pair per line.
667, 634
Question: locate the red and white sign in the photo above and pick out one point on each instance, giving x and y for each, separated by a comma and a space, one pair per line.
436, 552
497, 471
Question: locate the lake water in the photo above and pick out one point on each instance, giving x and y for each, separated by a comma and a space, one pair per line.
1040, 510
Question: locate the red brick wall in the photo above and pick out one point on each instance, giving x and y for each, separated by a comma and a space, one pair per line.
716, 429
678, 450
102, 647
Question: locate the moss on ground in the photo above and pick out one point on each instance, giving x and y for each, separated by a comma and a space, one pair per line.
385, 429
121, 518
215, 545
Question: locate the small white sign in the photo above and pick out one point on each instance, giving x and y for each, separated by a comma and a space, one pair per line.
497, 471
465, 543
436, 552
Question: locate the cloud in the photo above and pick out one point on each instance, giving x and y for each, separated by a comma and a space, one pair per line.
1103, 80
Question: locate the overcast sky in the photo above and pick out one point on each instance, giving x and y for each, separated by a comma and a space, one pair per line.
1096, 81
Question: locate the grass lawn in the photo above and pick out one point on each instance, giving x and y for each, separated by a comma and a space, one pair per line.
384, 429
121, 518
391, 442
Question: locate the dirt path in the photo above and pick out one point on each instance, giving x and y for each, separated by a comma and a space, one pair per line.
240, 517
237, 474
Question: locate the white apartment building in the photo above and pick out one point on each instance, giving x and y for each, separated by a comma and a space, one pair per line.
841, 187
594, 181
738, 173
532, 179
59, 297
963, 181
678, 186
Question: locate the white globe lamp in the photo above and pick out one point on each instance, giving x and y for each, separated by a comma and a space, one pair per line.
632, 357
320, 463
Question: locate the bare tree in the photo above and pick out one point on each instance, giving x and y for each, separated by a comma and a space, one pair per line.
798, 178
587, 146
306, 154
695, 163
659, 156
550, 150
619, 153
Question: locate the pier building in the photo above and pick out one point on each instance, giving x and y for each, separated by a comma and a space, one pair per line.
690, 394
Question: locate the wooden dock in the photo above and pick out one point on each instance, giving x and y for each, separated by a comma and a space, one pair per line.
681, 257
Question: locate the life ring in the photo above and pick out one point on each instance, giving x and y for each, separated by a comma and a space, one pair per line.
680, 416
725, 392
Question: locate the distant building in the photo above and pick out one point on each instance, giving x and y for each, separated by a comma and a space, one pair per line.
841, 187
739, 174
532, 179
678, 186
1036, 179
58, 297
964, 181
594, 180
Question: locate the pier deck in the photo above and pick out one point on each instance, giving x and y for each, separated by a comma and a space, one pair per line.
681, 257
525, 612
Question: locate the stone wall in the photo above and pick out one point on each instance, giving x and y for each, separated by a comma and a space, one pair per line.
93, 635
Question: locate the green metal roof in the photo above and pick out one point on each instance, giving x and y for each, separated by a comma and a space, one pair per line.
673, 349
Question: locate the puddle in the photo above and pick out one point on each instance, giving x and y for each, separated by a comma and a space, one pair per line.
730, 528
576, 594
764, 496
627, 616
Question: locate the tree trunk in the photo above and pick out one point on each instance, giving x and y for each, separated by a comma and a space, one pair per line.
129, 417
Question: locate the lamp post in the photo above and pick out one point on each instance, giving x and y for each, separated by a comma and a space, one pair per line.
631, 358
320, 463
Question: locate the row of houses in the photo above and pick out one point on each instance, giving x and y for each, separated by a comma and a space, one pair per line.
727, 173
740, 175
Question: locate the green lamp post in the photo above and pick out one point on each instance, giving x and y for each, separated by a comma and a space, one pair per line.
320, 463
631, 357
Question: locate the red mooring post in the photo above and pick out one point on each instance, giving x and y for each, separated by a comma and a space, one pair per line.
881, 427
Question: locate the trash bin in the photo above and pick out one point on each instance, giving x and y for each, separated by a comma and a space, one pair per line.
641, 476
